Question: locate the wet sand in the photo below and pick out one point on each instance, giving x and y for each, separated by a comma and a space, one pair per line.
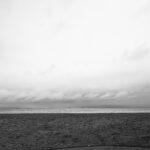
61, 131
107, 148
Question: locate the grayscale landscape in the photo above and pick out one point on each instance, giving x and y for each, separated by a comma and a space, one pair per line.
74, 74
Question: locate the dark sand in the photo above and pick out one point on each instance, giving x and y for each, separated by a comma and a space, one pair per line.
55, 131
107, 148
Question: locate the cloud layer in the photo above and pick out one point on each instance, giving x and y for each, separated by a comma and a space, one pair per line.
66, 49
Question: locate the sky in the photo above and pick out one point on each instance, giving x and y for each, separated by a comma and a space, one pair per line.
75, 50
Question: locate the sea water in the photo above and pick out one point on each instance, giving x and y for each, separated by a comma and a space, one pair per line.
78, 110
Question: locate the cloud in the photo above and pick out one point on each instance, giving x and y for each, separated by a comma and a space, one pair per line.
143, 9
50, 69
107, 95
76, 98
5, 93
139, 53
40, 94
121, 94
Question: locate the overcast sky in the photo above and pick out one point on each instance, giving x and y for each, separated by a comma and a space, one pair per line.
75, 49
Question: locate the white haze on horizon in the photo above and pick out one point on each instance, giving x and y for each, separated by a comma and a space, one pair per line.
75, 49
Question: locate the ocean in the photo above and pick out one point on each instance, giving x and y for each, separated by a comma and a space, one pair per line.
76, 110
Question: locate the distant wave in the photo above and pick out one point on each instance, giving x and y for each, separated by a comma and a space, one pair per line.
78, 110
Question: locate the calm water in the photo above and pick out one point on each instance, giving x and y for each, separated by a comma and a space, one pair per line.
79, 110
